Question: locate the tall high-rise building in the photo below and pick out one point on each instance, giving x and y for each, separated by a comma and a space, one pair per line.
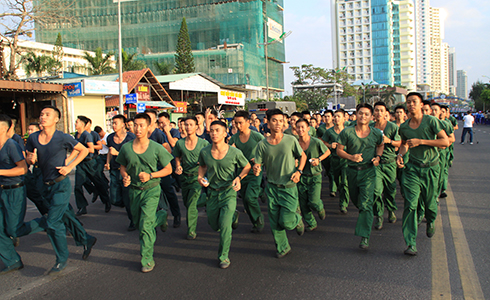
225, 35
462, 85
452, 71
374, 40
423, 23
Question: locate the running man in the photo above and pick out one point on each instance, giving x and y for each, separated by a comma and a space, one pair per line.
278, 153
220, 161
362, 147
139, 160
422, 134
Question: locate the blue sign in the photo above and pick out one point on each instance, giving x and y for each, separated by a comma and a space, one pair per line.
73, 89
131, 98
140, 107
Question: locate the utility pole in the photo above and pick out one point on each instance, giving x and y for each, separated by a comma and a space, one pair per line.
121, 105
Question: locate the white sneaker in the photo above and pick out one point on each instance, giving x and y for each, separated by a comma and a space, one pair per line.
471, 143
462, 143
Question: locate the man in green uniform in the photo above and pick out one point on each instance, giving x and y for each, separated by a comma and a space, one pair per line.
278, 153
328, 117
385, 187
186, 153
443, 152
454, 122
220, 161
362, 147
337, 164
139, 160
422, 134
310, 184
326, 124
246, 140
292, 129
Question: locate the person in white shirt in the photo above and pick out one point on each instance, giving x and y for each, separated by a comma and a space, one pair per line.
468, 120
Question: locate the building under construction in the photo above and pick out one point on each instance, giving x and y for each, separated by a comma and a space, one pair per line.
227, 36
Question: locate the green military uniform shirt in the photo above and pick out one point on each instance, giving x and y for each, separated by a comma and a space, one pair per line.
316, 149
222, 172
280, 159
145, 162
311, 132
321, 130
427, 130
248, 148
391, 132
189, 158
355, 145
330, 136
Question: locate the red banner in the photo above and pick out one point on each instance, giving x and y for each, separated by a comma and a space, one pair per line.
180, 107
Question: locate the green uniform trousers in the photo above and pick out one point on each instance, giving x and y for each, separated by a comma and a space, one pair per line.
310, 192
191, 192
420, 184
34, 186
119, 193
340, 178
8, 255
144, 205
443, 170
361, 189
220, 208
385, 189
283, 213
326, 163
250, 192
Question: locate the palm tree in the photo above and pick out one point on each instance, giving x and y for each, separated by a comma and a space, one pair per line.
163, 68
38, 64
100, 64
130, 63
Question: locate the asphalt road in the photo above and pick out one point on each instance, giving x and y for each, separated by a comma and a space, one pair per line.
323, 264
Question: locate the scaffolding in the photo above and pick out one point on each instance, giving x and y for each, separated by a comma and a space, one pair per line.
151, 27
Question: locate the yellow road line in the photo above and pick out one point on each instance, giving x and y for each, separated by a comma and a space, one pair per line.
441, 287
467, 272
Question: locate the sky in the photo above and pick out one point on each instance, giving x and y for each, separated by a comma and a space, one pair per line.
467, 28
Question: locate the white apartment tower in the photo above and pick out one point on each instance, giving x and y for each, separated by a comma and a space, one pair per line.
423, 23
462, 85
452, 71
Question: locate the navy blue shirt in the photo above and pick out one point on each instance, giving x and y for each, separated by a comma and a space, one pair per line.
96, 138
265, 128
84, 139
158, 136
110, 143
19, 141
175, 133
53, 154
10, 154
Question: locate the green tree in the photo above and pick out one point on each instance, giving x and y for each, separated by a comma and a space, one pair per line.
163, 68
184, 61
99, 64
476, 92
38, 64
58, 53
131, 63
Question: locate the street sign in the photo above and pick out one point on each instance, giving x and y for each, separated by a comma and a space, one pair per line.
131, 98
140, 107
73, 89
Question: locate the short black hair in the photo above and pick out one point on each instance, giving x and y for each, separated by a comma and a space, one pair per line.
35, 124
122, 117
435, 104
364, 105
190, 118
400, 107
416, 94
297, 114
143, 116
200, 113
214, 113
6, 119
98, 129
340, 110
273, 112
89, 121
329, 111
151, 111
426, 102
302, 120
55, 109
220, 123
381, 103
242, 114
164, 114
446, 107
306, 112
84, 119
130, 120
173, 123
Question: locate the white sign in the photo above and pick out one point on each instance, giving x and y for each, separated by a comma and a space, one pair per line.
231, 98
274, 29
99, 87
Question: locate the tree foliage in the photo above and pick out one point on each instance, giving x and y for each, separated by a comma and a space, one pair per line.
39, 64
22, 17
316, 98
99, 64
184, 60
131, 63
164, 68
478, 94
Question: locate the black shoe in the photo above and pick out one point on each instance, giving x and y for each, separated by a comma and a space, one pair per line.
81, 211
131, 227
57, 268
443, 195
411, 250
430, 230
88, 248
16, 266
95, 196
176, 221
108, 207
